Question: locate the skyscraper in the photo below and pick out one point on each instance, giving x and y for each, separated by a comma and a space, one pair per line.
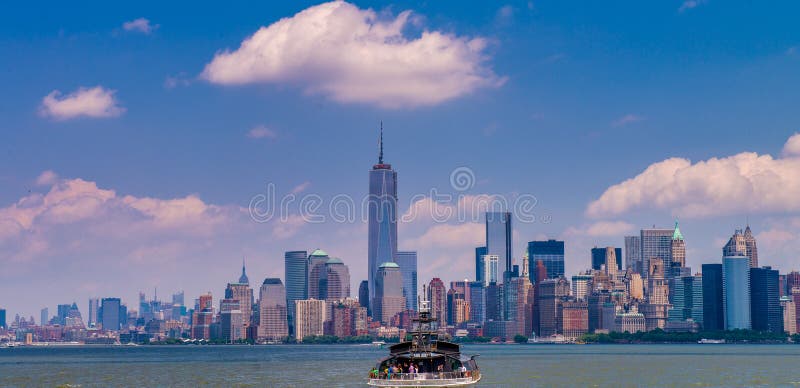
599, 257
317, 282
551, 253
110, 314
477, 302
765, 300
242, 292
437, 295
44, 316
407, 260
382, 222
655, 243
363, 294
678, 252
752, 249
688, 299
336, 281
633, 253
311, 316
3, 319
272, 310
389, 298
713, 302
479, 269
499, 242
490, 269
742, 244
736, 292
296, 275
94, 306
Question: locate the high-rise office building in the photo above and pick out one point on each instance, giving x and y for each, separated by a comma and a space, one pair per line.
789, 311
336, 283
490, 269
389, 298
232, 324
317, 282
311, 316
736, 292
574, 319
437, 295
713, 302
62, 311
94, 306
242, 292
202, 317
477, 302
599, 257
765, 300
296, 276
581, 285
742, 243
3, 319
678, 252
44, 317
479, 269
110, 313
633, 253
752, 248
407, 260
363, 294
656, 243
499, 242
687, 300
382, 221
272, 310
551, 253
551, 294
519, 299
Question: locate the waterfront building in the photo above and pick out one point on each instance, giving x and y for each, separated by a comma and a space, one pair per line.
296, 276
336, 283
736, 292
765, 306
3, 323
111, 314
94, 307
582, 285
44, 316
499, 241
389, 298
479, 264
551, 253
656, 243
348, 319
519, 297
317, 281
311, 316
493, 306
273, 324
232, 321
633, 253
363, 294
477, 302
574, 319
407, 260
599, 256
630, 322
713, 302
795, 295
789, 311
382, 221
242, 292
551, 293
437, 295
687, 300
596, 302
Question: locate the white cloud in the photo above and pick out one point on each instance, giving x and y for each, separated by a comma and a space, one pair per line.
47, 178
301, 187
139, 25
690, 4
173, 81
261, 132
627, 119
601, 229
90, 102
352, 55
746, 183
792, 146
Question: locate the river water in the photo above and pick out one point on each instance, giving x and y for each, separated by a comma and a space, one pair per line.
347, 365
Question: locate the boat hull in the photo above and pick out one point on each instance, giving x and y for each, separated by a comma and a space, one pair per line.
455, 382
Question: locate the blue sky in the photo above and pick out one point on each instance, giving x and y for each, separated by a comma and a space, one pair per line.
560, 100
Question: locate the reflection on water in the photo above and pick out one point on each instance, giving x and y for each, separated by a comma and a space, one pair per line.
347, 365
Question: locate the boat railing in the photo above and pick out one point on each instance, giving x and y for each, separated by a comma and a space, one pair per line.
414, 379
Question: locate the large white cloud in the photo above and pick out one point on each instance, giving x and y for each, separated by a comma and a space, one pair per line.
746, 183
93, 102
356, 56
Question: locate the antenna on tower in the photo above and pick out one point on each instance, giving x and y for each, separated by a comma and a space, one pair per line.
380, 155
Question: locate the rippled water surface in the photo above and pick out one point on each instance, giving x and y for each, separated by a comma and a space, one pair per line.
347, 365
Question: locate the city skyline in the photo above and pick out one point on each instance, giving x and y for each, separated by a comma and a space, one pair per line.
136, 195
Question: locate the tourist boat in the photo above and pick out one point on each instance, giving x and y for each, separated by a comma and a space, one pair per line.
711, 341
435, 363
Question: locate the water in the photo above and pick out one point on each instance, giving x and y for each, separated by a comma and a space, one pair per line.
347, 365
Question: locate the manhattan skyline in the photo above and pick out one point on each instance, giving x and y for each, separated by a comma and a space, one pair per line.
613, 128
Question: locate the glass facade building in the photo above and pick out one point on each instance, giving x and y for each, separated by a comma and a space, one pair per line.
633, 253
479, 269
599, 258
382, 221
765, 300
407, 260
655, 243
713, 317
551, 253
499, 242
296, 276
736, 292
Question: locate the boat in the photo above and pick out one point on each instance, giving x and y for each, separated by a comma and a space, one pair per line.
711, 341
425, 361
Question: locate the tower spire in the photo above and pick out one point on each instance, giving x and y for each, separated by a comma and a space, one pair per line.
243, 279
380, 155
